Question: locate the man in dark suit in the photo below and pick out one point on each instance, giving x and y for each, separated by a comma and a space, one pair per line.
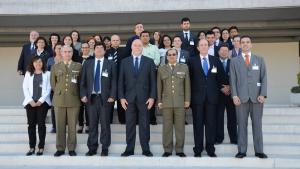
138, 29
237, 50
213, 49
189, 40
28, 51
183, 55
137, 91
207, 79
98, 91
116, 54
226, 102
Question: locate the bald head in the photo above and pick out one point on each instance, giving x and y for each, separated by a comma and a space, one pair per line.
115, 41
137, 47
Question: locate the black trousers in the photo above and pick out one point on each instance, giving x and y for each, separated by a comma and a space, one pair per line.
37, 116
226, 102
152, 114
204, 115
120, 111
140, 111
99, 110
83, 114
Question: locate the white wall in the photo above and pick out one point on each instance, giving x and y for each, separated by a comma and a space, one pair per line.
282, 61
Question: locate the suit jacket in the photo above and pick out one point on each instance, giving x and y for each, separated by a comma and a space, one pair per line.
206, 88
65, 84
121, 54
235, 54
137, 88
248, 82
44, 55
28, 88
108, 82
173, 86
186, 45
25, 57
184, 56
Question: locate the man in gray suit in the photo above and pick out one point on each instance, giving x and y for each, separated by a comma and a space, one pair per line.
248, 79
98, 90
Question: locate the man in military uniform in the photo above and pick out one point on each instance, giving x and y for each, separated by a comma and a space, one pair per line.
173, 96
65, 78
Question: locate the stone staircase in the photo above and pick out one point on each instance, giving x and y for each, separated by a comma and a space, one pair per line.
281, 127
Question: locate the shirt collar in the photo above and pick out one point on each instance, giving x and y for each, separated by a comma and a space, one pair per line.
101, 60
186, 31
206, 56
243, 54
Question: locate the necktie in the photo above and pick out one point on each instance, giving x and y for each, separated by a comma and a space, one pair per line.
247, 61
173, 67
136, 66
115, 57
186, 37
32, 48
97, 78
205, 66
224, 65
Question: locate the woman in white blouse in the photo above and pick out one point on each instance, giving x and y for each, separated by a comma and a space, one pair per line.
36, 89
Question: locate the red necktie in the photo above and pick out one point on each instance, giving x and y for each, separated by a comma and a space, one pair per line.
247, 61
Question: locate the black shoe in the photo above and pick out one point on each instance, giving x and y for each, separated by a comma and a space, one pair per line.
91, 153
153, 123
127, 153
197, 155
166, 154
181, 154
72, 153
211, 154
233, 142
80, 130
186, 123
218, 142
53, 130
104, 153
59, 153
40, 152
261, 155
240, 155
147, 154
86, 129
30, 152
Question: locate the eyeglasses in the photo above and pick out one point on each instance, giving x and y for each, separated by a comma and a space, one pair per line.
174, 54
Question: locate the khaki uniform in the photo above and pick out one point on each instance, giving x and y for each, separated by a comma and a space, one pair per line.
173, 89
66, 101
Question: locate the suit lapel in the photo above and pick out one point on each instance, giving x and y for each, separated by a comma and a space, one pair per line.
141, 67
211, 64
104, 68
200, 66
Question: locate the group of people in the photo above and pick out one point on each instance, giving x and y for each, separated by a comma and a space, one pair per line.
211, 73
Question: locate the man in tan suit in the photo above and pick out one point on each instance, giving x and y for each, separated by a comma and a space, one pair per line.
65, 78
173, 96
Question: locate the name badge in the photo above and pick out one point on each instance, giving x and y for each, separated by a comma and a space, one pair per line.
110, 57
258, 84
214, 70
192, 43
182, 60
105, 73
181, 73
255, 67
73, 80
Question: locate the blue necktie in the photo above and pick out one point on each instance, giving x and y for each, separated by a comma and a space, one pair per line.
97, 78
136, 66
224, 65
205, 66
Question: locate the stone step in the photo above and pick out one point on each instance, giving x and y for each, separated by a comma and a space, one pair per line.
155, 138
157, 149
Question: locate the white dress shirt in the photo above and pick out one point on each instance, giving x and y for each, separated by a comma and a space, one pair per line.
211, 50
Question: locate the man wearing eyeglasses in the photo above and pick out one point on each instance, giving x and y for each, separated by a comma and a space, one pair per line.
173, 96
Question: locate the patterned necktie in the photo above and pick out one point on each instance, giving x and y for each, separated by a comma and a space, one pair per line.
115, 57
247, 60
205, 66
97, 78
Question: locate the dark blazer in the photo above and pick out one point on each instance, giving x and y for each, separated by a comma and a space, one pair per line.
108, 84
192, 49
129, 43
44, 55
121, 54
25, 57
137, 88
184, 57
203, 87
235, 54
